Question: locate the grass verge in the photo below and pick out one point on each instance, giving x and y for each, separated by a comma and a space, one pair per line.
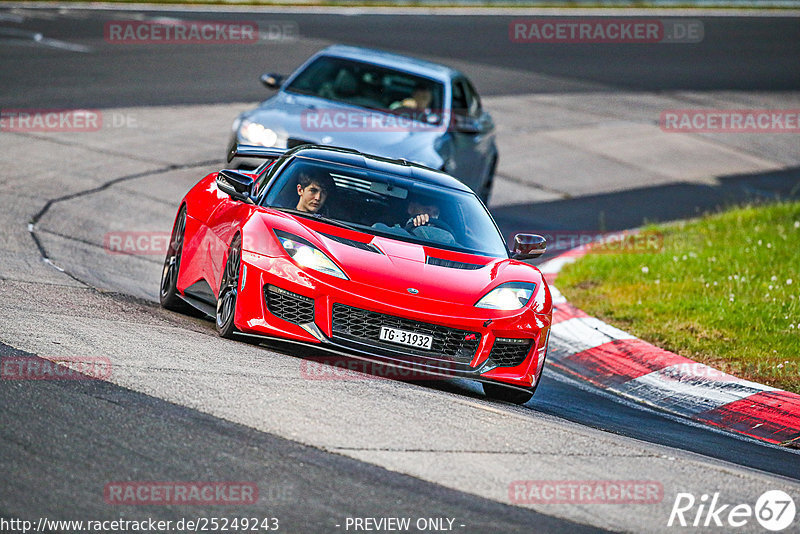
723, 290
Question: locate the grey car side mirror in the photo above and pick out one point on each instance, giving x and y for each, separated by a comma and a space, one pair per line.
272, 80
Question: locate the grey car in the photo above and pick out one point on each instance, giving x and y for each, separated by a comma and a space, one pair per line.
380, 103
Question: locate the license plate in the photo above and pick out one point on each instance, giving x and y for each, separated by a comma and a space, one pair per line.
404, 337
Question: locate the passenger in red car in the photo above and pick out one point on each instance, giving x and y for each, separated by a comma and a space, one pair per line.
312, 190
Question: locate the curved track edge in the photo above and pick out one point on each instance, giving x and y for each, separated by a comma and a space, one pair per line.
621, 363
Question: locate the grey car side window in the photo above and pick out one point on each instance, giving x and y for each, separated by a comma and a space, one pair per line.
472, 99
466, 101
460, 104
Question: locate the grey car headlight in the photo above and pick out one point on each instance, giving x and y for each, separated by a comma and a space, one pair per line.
257, 134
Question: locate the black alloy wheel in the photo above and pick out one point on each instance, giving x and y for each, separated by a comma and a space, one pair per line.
228, 291
168, 295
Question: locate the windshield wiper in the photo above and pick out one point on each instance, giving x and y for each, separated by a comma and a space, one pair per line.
299, 91
318, 217
308, 92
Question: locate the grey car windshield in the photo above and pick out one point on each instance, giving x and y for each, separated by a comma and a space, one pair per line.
386, 204
371, 86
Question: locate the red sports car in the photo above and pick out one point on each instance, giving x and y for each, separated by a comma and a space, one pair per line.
373, 258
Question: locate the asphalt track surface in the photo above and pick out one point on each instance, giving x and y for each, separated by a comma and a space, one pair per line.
111, 429
737, 53
77, 436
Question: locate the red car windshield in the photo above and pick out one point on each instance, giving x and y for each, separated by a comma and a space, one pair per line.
388, 205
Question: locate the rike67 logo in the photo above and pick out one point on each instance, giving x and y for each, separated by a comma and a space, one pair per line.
774, 510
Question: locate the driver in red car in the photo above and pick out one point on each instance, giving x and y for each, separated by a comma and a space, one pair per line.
421, 213
424, 222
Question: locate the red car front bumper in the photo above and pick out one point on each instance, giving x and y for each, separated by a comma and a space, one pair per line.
277, 298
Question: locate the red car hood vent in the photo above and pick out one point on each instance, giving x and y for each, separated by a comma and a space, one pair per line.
353, 243
408, 269
453, 264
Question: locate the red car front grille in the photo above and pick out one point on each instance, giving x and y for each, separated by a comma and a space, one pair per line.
289, 306
510, 353
450, 344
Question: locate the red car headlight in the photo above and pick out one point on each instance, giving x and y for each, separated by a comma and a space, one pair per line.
508, 296
307, 255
